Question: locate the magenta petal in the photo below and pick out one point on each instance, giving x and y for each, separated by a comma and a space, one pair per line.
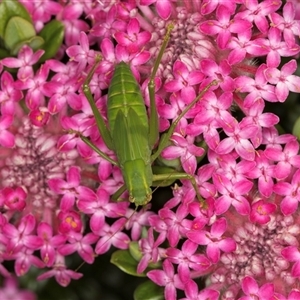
133, 27
245, 150
242, 206
86, 195
188, 94
147, 2
171, 152
87, 254
12, 62
219, 227
67, 201
227, 245
273, 154
296, 269
288, 205
210, 27
7, 139
158, 277
73, 176
104, 169
222, 205
213, 252
173, 86
282, 170
103, 245
67, 249
225, 146
283, 188
291, 253
249, 286
56, 184
242, 187
33, 242
164, 9
97, 222
170, 292
198, 237
44, 229
195, 77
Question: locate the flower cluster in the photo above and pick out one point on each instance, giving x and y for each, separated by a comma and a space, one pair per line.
56, 192
10, 290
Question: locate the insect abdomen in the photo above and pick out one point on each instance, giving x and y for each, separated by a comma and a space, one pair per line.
124, 93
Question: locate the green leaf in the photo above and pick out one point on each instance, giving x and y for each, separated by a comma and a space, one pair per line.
296, 129
34, 43
9, 9
53, 34
134, 250
124, 261
3, 53
17, 31
148, 291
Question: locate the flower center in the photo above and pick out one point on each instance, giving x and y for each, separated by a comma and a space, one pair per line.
258, 252
186, 44
33, 161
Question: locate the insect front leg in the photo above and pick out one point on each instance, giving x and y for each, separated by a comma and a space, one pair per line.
99, 119
158, 178
166, 136
153, 120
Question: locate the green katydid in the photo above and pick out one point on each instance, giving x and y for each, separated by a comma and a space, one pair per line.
130, 134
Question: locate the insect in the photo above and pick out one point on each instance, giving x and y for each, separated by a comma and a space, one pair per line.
130, 134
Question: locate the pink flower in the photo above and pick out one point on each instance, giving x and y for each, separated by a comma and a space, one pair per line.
69, 221
13, 199
184, 81
292, 254
81, 54
164, 8
62, 275
238, 139
251, 288
214, 240
9, 96
98, 206
111, 235
286, 158
50, 243
150, 250
257, 12
192, 292
167, 278
10, 290
133, 40
26, 59
186, 257
223, 27
284, 80
261, 211
68, 188
81, 244
22, 237
7, 139
286, 23
35, 95
186, 150
232, 193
